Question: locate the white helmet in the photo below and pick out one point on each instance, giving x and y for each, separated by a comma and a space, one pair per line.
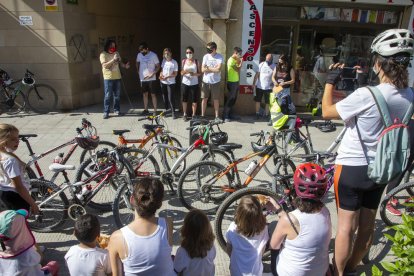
393, 41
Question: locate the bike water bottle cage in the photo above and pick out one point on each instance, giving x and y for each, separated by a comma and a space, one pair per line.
88, 143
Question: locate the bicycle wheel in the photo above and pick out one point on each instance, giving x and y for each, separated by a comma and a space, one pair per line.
122, 209
219, 156
148, 168
400, 195
10, 106
53, 213
102, 144
293, 148
227, 210
42, 98
170, 155
282, 169
409, 177
205, 190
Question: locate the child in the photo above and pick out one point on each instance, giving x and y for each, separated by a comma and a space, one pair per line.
18, 255
86, 258
304, 234
247, 237
14, 187
197, 252
144, 245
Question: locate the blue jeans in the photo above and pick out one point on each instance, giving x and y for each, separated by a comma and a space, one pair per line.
112, 88
286, 90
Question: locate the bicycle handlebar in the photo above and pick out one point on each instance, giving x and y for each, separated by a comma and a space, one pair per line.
261, 133
210, 124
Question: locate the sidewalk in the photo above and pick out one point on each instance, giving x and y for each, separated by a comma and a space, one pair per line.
54, 129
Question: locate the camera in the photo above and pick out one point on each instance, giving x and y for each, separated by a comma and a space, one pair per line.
348, 73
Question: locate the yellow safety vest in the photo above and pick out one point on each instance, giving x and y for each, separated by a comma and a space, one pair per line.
277, 117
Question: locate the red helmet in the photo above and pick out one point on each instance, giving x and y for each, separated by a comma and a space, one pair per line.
310, 181
89, 143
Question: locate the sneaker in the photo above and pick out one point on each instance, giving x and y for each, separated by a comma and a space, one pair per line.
117, 113
144, 112
393, 201
185, 118
218, 120
392, 210
106, 116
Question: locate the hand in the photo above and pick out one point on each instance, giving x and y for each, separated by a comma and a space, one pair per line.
34, 209
282, 83
127, 65
335, 73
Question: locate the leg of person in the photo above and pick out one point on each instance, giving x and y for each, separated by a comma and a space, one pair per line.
184, 92
195, 93
107, 98
266, 96
13, 201
290, 124
171, 90
215, 95
370, 202
164, 94
236, 94
258, 99
231, 98
145, 91
153, 93
117, 96
205, 93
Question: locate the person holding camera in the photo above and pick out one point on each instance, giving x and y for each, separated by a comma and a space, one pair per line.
357, 195
111, 60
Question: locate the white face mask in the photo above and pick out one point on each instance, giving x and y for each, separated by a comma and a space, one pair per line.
166, 56
190, 56
374, 69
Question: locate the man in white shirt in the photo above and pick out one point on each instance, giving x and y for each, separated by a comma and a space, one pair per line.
263, 85
211, 68
148, 66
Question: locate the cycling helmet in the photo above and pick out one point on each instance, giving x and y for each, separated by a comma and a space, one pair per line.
89, 143
393, 41
310, 181
28, 81
219, 138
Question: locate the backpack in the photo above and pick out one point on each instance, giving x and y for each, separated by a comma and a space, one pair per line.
393, 148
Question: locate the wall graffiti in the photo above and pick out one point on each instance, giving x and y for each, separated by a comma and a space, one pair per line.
78, 51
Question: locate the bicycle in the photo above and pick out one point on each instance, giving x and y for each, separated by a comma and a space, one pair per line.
227, 209
41, 98
52, 200
122, 210
86, 127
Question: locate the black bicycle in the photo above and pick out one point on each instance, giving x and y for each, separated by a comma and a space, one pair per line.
41, 98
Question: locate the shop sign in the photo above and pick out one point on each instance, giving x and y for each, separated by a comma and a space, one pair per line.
251, 39
51, 5
26, 20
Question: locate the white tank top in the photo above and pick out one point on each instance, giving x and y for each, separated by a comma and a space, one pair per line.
148, 255
307, 254
187, 79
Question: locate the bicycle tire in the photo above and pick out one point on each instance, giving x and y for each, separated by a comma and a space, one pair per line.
283, 171
101, 145
402, 195
170, 156
122, 209
226, 211
270, 170
409, 177
148, 168
19, 103
213, 193
42, 98
30, 173
54, 213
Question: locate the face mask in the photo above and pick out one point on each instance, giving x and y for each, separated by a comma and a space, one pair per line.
167, 56
374, 69
112, 50
189, 56
209, 50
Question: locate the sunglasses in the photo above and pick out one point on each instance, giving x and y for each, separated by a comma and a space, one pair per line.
188, 52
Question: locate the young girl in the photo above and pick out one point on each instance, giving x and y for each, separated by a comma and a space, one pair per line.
247, 237
197, 252
14, 187
144, 245
169, 70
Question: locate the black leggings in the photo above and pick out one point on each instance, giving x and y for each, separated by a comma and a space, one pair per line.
168, 95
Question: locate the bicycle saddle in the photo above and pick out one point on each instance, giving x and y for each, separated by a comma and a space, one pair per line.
120, 132
230, 146
151, 127
56, 167
27, 135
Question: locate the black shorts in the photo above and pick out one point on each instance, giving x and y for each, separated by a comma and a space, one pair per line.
354, 189
13, 201
190, 92
262, 93
148, 86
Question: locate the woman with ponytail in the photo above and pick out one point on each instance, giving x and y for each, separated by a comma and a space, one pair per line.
357, 196
144, 246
